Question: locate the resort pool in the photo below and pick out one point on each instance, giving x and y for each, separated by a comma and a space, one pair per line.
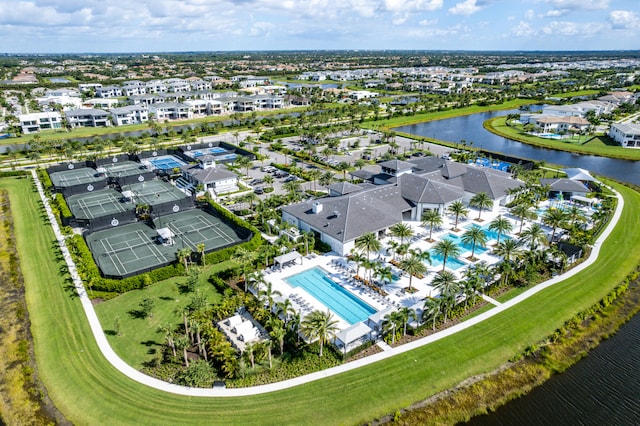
452, 262
465, 247
491, 235
340, 301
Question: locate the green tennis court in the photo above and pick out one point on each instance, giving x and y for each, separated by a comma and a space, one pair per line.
128, 250
67, 178
98, 204
195, 227
154, 192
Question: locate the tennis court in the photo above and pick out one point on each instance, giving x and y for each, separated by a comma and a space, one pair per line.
166, 162
124, 168
154, 192
216, 150
194, 227
73, 177
129, 249
101, 203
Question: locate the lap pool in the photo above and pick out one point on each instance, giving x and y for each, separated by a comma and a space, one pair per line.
340, 301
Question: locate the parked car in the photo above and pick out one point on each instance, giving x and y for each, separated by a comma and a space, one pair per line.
258, 191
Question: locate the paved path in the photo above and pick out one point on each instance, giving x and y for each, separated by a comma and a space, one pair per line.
491, 300
136, 375
383, 345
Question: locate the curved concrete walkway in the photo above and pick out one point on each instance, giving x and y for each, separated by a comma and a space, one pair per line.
136, 375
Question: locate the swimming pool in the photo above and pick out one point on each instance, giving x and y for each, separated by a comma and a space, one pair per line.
491, 235
166, 162
452, 262
340, 301
465, 247
209, 151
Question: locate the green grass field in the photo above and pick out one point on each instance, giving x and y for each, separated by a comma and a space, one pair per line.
89, 391
139, 338
602, 146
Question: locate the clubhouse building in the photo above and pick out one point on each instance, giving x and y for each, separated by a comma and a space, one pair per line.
403, 191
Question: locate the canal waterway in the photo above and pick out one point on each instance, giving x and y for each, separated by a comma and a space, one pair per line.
601, 389
469, 128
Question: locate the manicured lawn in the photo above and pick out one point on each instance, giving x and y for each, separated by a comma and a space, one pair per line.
598, 145
89, 391
139, 339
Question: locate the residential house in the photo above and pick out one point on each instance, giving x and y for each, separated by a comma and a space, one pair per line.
131, 114
34, 122
88, 117
626, 134
171, 111
109, 92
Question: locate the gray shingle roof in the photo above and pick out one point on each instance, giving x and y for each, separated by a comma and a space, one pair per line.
357, 213
210, 175
421, 190
565, 185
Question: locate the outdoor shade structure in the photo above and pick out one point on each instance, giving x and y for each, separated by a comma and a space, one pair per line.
353, 336
292, 256
579, 174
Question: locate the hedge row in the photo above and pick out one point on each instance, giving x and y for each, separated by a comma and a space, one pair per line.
45, 180
63, 208
11, 173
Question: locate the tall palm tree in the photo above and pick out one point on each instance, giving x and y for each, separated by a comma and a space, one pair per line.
475, 235
533, 236
447, 284
432, 219
401, 230
554, 218
522, 212
412, 265
508, 250
315, 174
432, 310
267, 293
406, 314
481, 201
319, 325
500, 225
244, 257
257, 280
183, 257
446, 248
326, 179
384, 274
390, 324
575, 215
459, 210
286, 309
368, 242
201, 247
278, 333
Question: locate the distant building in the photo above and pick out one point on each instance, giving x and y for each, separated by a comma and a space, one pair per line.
131, 114
215, 179
88, 118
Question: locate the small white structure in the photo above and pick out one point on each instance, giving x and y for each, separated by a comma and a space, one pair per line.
34, 122
626, 134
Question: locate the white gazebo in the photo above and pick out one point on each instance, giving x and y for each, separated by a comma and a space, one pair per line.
166, 236
353, 336
292, 256
579, 174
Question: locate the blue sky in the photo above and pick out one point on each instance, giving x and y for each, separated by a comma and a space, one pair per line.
57, 26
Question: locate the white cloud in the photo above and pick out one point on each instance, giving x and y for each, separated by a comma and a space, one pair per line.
529, 14
428, 22
624, 19
554, 13
412, 5
261, 29
566, 28
468, 7
579, 4
523, 29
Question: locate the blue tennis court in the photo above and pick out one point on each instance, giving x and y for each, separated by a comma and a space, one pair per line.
493, 164
166, 162
216, 151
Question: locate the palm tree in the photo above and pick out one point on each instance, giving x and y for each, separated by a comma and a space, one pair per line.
412, 265
401, 230
459, 210
319, 325
432, 219
475, 235
201, 247
384, 274
244, 258
554, 218
446, 248
522, 211
278, 333
183, 257
481, 201
326, 179
243, 161
368, 242
574, 215
406, 314
315, 175
285, 308
390, 324
501, 225
447, 284
257, 280
167, 329
533, 235
358, 258
432, 309
508, 250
